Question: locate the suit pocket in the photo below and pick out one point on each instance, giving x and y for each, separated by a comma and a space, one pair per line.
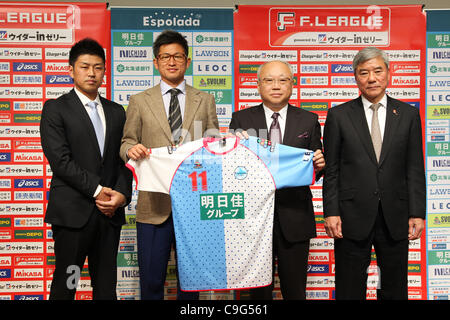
347, 194
403, 195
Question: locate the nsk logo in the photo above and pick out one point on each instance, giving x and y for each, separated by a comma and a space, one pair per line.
27, 66
341, 68
28, 183
55, 79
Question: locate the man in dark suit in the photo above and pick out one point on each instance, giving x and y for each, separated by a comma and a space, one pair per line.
374, 185
90, 184
294, 222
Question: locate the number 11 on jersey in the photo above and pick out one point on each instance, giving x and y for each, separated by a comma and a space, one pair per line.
194, 180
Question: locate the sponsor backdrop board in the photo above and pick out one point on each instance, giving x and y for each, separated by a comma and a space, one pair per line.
209, 33
437, 133
320, 43
35, 39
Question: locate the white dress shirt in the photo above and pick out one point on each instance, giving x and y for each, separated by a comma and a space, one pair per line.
167, 95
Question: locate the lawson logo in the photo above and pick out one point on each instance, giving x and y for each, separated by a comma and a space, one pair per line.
27, 66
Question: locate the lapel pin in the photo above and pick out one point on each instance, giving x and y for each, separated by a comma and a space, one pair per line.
395, 112
303, 135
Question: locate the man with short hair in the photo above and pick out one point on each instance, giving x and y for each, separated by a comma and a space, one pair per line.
374, 185
80, 135
294, 222
167, 114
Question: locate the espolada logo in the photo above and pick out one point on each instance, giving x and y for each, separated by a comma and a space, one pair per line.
166, 19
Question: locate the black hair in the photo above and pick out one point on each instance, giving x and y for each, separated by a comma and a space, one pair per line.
169, 37
86, 46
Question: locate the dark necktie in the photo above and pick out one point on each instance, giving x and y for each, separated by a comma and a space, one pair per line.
375, 131
275, 131
175, 119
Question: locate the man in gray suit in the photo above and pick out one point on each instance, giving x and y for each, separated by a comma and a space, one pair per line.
167, 114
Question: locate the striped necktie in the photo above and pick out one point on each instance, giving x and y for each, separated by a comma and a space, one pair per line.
275, 131
175, 119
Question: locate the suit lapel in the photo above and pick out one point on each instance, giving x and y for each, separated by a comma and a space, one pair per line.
108, 121
293, 125
192, 103
359, 122
393, 116
155, 105
259, 120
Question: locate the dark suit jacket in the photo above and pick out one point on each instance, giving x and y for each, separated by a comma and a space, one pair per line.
293, 205
70, 145
354, 182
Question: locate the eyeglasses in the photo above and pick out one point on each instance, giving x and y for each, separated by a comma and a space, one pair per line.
281, 81
178, 57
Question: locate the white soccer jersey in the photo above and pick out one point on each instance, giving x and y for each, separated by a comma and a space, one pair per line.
222, 204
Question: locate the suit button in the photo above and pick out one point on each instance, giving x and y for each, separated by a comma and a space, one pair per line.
376, 192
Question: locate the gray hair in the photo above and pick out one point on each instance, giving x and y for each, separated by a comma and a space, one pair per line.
369, 53
286, 63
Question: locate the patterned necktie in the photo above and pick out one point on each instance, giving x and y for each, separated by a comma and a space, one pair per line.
375, 132
175, 119
98, 125
275, 131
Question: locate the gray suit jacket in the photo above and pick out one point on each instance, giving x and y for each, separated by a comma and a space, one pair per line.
147, 124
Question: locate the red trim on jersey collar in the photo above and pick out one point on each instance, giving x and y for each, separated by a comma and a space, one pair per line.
207, 141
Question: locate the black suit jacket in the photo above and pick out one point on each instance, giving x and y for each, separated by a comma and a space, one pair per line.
293, 205
70, 145
354, 182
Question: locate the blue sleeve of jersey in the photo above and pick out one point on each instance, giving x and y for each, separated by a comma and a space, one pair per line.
289, 166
